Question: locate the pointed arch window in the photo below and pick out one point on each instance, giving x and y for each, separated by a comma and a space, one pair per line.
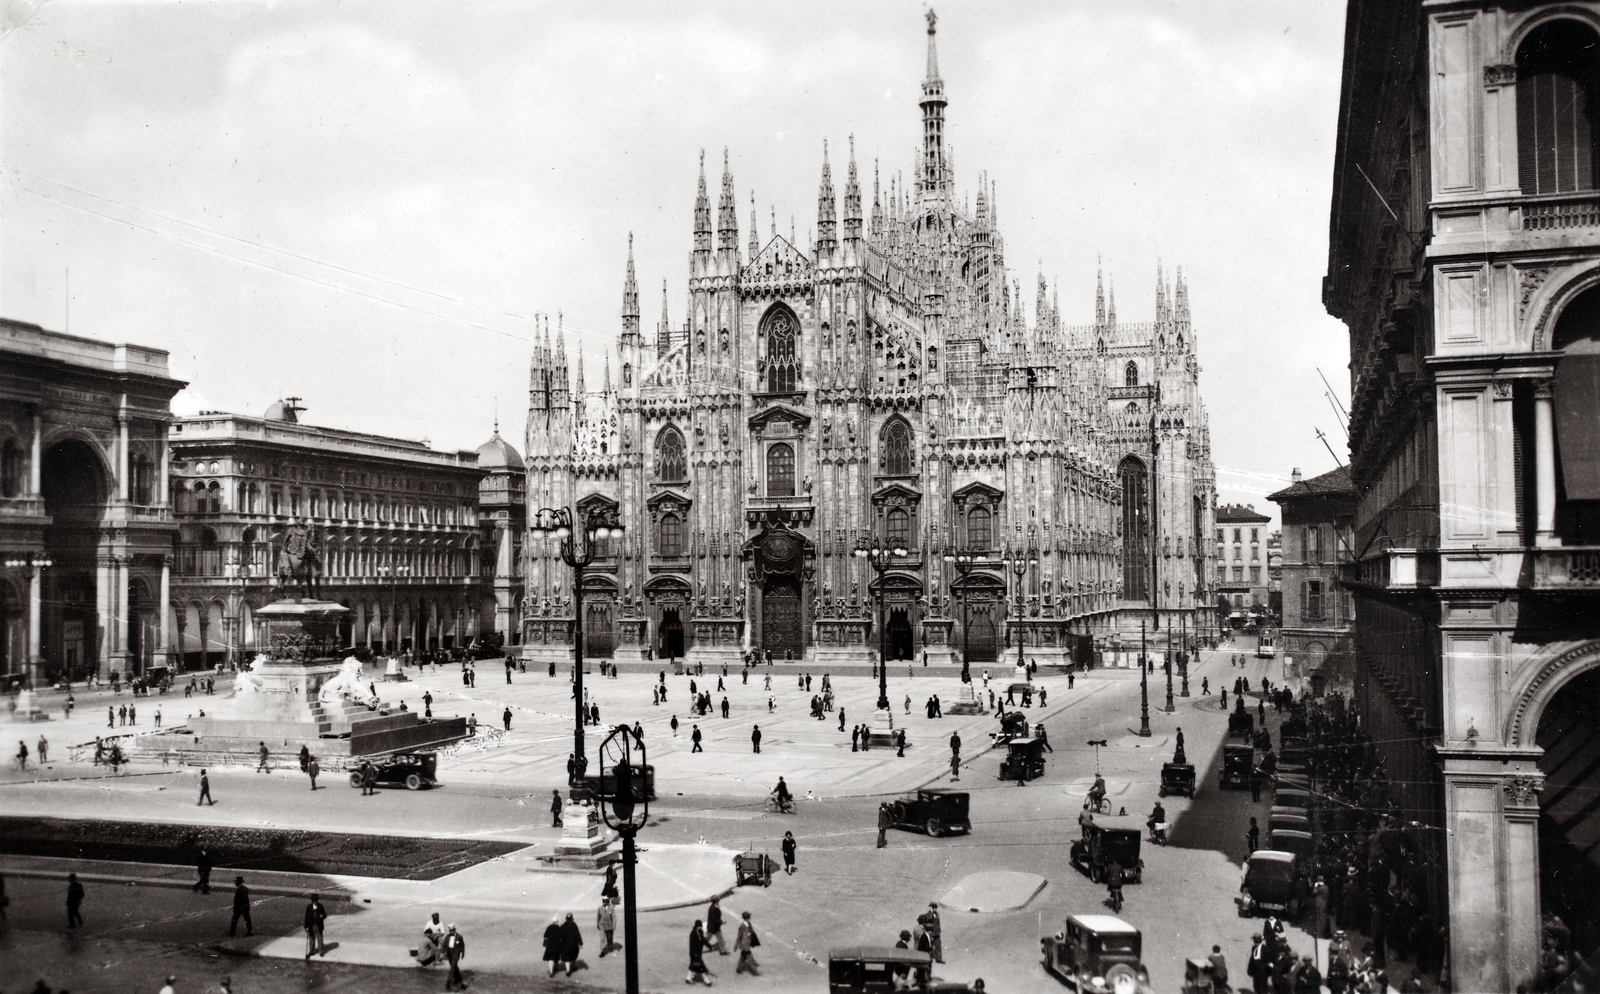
1130, 375
783, 368
669, 542
672, 463
780, 470
1557, 81
1135, 524
895, 449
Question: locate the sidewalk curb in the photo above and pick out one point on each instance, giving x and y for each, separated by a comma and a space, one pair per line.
270, 890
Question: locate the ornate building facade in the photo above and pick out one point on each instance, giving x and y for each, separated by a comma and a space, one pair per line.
1464, 257
884, 386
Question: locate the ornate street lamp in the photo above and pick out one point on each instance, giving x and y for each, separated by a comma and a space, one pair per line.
1019, 566
625, 806
35, 564
964, 562
1144, 688
394, 573
1183, 653
599, 525
880, 557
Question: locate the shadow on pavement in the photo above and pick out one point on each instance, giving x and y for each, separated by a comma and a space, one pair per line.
1218, 819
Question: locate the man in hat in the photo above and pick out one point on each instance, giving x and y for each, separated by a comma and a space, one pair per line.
455, 947
930, 921
713, 933
315, 916
745, 942
241, 908
605, 920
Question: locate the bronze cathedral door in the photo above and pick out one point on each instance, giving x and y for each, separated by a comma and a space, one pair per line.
780, 621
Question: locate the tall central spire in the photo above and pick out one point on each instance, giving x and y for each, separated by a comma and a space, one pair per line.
934, 178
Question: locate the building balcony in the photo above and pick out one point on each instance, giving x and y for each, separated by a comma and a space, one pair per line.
1568, 568
1393, 569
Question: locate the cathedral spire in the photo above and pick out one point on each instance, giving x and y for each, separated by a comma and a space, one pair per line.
1161, 296
727, 218
630, 292
560, 392
933, 175
1099, 295
755, 239
852, 199
702, 212
664, 329
826, 223
1111, 305
607, 381
877, 206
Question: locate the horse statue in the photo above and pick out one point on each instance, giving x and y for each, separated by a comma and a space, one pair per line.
299, 559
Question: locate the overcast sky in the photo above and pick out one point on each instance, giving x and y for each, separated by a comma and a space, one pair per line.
365, 204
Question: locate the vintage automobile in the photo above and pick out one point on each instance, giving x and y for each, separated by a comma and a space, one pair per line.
1092, 952
936, 812
412, 770
1301, 845
1286, 823
875, 969
1024, 760
1238, 761
1197, 978
1293, 751
1271, 883
1291, 781
1110, 839
1177, 778
644, 787
1241, 725
1288, 797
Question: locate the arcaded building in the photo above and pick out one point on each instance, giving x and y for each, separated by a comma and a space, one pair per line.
887, 383
1464, 256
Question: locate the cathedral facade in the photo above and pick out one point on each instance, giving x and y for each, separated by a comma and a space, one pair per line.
1035, 484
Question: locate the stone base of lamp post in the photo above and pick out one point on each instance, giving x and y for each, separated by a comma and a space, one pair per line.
883, 730
585, 843
28, 708
392, 671
967, 701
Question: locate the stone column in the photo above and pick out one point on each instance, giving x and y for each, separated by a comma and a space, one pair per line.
35, 599
1545, 463
122, 453
38, 454
1522, 921
164, 642
164, 484
119, 611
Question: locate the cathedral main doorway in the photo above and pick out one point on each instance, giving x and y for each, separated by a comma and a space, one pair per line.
671, 646
899, 634
780, 621
982, 643
599, 640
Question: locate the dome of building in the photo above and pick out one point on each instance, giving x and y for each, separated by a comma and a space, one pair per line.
497, 453
283, 410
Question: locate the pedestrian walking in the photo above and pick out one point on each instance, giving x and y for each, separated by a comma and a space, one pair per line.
883, 825
955, 768
605, 922
455, 949
133, 715
698, 974
955, 745
1319, 909
1256, 777
746, 942
608, 888
369, 778
694, 736
74, 901
1205, 686
1069, 679
552, 945
202, 868
305, 757
930, 922
22, 755
788, 848
755, 738
841, 719
1253, 836
505, 718
111, 717
262, 766
122, 714
713, 938
241, 908
158, 716
44, 750
312, 770
571, 943
900, 740
724, 707
555, 809
205, 791
315, 916
1219, 969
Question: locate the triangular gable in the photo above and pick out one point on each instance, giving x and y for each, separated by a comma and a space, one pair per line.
779, 413
977, 493
778, 260
896, 493
668, 500
596, 502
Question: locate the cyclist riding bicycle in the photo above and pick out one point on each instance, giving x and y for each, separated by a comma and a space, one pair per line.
1158, 819
781, 794
1097, 793
1114, 878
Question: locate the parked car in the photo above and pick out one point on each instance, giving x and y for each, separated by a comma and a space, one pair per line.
411, 770
874, 969
1092, 951
1286, 823
1241, 725
1110, 839
1238, 761
933, 811
1270, 884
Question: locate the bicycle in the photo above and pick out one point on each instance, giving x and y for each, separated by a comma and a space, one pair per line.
779, 806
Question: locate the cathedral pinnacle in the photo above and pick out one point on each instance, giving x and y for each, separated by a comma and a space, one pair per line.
852, 198
727, 220
755, 240
630, 289
825, 204
702, 212
877, 205
664, 329
1099, 295
934, 176
933, 51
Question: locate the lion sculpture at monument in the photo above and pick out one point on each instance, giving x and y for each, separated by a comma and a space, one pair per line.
346, 686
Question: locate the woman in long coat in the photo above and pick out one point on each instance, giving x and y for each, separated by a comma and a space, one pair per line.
571, 943
697, 960
552, 944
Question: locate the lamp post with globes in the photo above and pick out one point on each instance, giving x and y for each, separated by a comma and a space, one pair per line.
35, 564
964, 562
394, 572
1019, 565
879, 557
597, 526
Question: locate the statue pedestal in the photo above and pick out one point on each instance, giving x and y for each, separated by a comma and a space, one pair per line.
392, 673
585, 841
967, 701
28, 708
1020, 674
883, 731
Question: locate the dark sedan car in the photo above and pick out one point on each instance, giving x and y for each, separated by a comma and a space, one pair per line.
933, 811
411, 770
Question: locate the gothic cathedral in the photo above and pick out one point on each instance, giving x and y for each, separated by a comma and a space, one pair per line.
1041, 485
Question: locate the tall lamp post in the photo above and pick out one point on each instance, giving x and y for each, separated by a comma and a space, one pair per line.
35, 564
557, 522
394, 573
1144, 687
1019, 566
879, 557
622, 755
964, 562
1183, 652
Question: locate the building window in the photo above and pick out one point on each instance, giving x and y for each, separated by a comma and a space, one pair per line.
1222, 573
1130, 375
783, 372
897, 528
1313, 544
1255, 553
672, 464
1255, 574
10, 469
1220, 537
1236, 535
895, 449
1556, 82
1238, 574
142, 479
980, 533
1135, 553
780, 470
670, 543
1311, 600
1255, 534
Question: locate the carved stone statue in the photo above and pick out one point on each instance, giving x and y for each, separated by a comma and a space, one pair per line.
807, 484
299, 558
346, 686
